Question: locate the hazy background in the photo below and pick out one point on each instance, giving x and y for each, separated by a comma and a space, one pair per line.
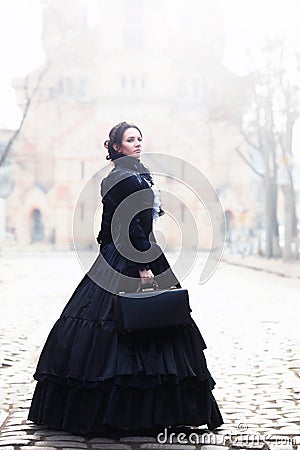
218, 83
245, 23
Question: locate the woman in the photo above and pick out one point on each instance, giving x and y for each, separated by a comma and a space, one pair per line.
92, 380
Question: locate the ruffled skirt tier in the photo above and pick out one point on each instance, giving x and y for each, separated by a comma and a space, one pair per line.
92, 380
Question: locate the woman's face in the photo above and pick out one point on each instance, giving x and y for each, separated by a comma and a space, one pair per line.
131, 143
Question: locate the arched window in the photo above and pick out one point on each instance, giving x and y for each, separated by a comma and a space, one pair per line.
36, 226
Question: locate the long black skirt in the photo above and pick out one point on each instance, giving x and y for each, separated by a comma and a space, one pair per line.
92, 380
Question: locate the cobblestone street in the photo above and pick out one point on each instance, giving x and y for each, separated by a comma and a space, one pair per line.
249, 320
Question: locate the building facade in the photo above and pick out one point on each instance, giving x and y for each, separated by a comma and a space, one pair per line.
157, 64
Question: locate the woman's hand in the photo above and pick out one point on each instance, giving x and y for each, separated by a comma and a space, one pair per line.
147, 276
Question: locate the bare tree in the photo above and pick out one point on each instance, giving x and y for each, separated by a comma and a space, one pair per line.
267, 127
285, 141
29, 99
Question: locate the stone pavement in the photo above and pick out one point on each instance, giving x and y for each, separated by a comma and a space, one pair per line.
253, 353
289, 269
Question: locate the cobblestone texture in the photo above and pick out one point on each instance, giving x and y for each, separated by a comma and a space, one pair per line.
248, 320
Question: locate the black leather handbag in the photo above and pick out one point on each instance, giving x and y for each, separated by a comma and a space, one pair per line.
150, 308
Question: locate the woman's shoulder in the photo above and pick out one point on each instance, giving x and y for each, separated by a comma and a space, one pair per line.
121, 178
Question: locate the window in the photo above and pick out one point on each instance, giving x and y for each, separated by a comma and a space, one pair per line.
82, 88
182, 212
131, 83
82, 212
82, 170
133, 24
69, 89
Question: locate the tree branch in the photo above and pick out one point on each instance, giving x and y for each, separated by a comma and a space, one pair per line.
248, 140
26, 109
248, 162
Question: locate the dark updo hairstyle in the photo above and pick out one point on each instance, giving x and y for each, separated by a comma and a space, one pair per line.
115, 137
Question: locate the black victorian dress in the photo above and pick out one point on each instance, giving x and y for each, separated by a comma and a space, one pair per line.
92, 380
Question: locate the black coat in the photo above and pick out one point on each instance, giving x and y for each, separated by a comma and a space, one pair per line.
127, 183
127, 223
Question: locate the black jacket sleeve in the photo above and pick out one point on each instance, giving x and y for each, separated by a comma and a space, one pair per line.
138, 204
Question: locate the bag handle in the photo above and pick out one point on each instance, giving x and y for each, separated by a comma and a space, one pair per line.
147, 286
